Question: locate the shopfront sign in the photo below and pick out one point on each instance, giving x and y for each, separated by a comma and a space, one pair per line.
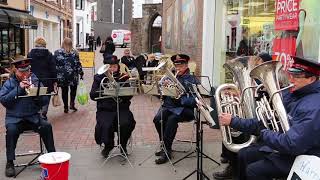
283, 49
287, 15
87, 59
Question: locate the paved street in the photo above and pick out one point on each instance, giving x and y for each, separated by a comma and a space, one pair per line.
73, 133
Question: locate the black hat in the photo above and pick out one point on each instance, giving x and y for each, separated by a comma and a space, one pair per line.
21, 63
111, 60
303, 65
265, 56
180, 59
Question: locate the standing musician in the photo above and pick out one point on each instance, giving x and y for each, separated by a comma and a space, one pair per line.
22, 113
274, 156
107, 120
174, 110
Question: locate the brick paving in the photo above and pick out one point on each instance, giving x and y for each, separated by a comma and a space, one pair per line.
75, 130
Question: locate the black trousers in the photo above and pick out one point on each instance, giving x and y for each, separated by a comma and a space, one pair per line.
65, 95
44, 128
170, 124
254, 164
108, 123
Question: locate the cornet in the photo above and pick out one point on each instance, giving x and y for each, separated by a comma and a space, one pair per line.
27, 89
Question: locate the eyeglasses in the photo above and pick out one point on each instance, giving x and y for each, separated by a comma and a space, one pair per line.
297, 76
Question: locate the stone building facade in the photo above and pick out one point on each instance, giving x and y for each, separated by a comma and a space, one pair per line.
112, 14
141, 29
54, 20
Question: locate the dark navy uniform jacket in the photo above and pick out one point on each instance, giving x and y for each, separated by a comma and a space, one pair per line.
303, 109
176, 106
18, 109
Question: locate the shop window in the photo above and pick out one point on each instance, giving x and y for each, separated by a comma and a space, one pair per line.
11, 42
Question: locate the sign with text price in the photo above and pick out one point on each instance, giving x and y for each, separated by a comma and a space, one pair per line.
287, 15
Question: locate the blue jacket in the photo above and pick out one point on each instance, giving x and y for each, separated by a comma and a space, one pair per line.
186, 100
18, 109
303, 109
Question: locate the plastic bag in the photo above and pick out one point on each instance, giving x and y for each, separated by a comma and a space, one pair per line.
82, 94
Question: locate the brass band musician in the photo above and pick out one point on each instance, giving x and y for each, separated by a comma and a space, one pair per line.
274, 156
106, 114
174, 110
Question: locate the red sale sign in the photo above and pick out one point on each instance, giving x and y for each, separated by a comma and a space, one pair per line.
283, 49
287, 15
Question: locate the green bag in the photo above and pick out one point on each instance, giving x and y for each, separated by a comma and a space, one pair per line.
82, 94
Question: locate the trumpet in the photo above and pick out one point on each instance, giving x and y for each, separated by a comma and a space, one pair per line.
28, 89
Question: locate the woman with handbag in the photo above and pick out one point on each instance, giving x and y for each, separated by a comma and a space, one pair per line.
68, 70
108, 48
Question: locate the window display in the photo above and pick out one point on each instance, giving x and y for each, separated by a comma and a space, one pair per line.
281, 28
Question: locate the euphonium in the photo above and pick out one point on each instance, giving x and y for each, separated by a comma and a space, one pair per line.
173, 83
268, 74
111, 81
237, 99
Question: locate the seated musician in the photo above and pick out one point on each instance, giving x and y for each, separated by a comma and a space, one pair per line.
276, 152
174, 110
107, 120
230, 157
22, 113
152, 61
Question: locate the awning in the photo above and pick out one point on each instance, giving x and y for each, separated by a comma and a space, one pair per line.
20, 19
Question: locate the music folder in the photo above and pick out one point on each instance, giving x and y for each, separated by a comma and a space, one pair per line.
154, 68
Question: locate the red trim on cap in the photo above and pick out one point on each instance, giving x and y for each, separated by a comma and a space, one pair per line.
308, 69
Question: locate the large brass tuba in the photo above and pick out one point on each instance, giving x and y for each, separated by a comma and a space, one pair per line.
270, 109
238, 98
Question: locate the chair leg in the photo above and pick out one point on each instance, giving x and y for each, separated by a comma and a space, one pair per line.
191, 141
34, 161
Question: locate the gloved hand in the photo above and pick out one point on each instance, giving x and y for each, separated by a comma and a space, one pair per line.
260, 127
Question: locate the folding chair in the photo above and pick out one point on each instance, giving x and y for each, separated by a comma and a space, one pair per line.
33, 161
190, 141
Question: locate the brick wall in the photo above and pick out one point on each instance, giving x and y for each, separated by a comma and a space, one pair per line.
183, 45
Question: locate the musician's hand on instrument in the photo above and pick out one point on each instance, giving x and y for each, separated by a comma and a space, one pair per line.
24, 84
260, 127
225, 119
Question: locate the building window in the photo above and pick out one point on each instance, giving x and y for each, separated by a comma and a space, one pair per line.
11, 42
80, 4
3, 2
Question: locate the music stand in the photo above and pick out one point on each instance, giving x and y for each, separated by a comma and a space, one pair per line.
117, 91
161, 145
199, 145
37, 92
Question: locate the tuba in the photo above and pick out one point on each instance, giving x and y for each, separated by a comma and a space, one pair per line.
237, 99
270, 110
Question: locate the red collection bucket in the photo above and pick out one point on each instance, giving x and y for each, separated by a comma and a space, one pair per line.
55, 166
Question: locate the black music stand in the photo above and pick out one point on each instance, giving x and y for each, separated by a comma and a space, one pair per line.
115, 95
39, 104
161, 145
199, 149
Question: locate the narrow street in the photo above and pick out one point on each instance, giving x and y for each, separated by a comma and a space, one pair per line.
74, 132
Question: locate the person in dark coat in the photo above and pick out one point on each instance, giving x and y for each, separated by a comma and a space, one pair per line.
91, 42
98, 41
108, 48
128, 60
175, 110
274, 157
140, 62
22, 113
69, 69
44, 67
152, 61
228, 156
107, 115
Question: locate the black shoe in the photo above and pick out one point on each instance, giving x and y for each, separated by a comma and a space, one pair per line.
66, 111
224, 160
105, 152
163, 158
10, 171
224, 174
73, 108
159, 153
